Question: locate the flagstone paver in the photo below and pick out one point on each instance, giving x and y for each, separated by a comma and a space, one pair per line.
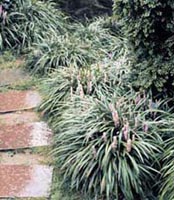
18, 118
25, 181
12, 76
24, 135
11, 158
18, 100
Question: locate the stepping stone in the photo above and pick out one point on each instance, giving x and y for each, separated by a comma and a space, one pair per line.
25, 158
18, 100
26, 135
18, 118
25, 181
12, 76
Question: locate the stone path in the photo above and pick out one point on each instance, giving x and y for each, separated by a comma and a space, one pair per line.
14, 76
24, 173
12, 101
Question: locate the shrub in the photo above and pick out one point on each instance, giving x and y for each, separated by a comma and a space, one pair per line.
29, 21
108, 145
149, 27
154, 73
148, 24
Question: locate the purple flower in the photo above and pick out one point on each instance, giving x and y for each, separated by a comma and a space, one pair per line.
145, 127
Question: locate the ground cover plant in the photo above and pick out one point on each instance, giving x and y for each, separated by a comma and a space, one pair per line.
81, 46
28, 21
90, 143
108, 145
166, 191
64, 82
67, 106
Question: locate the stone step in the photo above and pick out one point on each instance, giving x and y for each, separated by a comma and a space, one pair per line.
24, 135
13, 101
25, 181
18, 118
12, 76
25, 157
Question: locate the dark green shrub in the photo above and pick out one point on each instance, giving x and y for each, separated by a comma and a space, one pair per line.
149, 27
154, 73
148, 24
29, 21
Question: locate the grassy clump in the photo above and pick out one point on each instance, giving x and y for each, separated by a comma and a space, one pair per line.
65, 82
29, 21
81, 46
109, 145
109, 138
167, 188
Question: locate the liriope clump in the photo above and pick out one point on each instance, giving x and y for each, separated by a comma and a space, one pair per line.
23, 23
108, 145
